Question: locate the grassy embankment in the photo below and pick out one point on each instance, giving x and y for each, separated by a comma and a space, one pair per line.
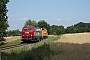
18, 41
37, 51
68, 47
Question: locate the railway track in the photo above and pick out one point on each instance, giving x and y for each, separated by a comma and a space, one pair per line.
13, 46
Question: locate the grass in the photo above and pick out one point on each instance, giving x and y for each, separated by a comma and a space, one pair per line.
49, 50
70, 51
10, 43
37, 51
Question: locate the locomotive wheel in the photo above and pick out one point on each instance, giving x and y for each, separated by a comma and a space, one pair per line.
39, 40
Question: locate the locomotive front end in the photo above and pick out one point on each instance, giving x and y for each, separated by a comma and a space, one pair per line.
27, 33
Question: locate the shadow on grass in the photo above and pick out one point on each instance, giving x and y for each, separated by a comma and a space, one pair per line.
55, 51
35, 54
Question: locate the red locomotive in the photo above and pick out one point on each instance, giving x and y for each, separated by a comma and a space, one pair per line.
31, 33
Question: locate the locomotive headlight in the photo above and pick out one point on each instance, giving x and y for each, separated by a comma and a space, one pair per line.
31, 34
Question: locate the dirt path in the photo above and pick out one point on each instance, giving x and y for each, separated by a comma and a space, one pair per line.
79, 38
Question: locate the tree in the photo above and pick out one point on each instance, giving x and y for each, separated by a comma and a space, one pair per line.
57, 30
43, 24
61, 30
3, 19
14, 33
53, 29
9, 33
82, 27
31, 22
71, 29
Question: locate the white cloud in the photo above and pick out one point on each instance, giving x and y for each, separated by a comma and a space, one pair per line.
59, 19
25, 19
68, 19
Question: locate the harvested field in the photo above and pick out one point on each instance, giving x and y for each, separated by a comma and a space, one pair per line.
9, 39
79, 38
13, 38
72, 47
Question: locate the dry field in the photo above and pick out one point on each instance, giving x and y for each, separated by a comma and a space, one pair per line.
72, 47
78, 38
12, 38
9, 39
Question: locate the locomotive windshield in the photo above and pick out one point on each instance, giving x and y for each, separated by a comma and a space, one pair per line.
29, 28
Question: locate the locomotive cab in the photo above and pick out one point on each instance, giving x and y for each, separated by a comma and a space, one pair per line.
27, 33
31, 33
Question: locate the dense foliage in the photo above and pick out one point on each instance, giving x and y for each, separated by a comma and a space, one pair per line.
31, 22
78, 28
43, 24
56, 30
13, 33
3, 19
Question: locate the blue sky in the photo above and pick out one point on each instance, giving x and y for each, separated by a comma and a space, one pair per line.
54, 12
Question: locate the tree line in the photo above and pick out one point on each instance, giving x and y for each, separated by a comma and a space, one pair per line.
54, 29
13, 33
78, 28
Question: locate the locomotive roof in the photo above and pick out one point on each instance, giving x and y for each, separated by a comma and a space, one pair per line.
29, 26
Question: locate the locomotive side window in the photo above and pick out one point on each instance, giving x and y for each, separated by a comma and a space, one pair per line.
29, 28
25, 28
